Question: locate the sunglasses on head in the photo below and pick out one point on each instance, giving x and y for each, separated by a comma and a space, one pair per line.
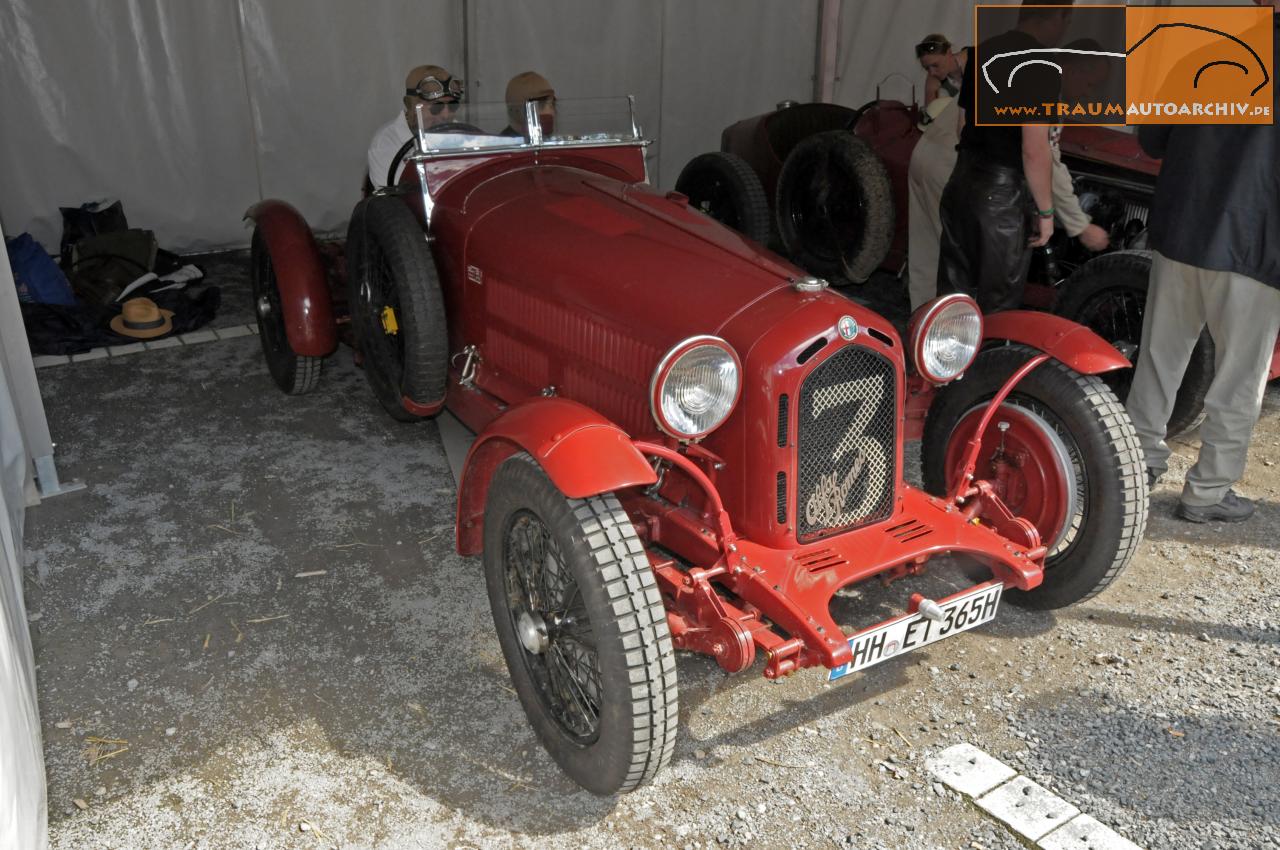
926, 48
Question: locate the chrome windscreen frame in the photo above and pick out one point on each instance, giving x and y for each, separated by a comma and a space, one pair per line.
433, 147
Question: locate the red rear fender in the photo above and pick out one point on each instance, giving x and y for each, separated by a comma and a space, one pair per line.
300, 275
1062, 339
582, 453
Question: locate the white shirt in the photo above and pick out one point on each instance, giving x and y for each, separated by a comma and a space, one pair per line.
386, 142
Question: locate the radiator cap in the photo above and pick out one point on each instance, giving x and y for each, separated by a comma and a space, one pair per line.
808, 284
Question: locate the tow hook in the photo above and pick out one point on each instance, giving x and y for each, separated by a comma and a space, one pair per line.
931, 610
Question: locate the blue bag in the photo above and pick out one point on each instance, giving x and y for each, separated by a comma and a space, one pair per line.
38, 277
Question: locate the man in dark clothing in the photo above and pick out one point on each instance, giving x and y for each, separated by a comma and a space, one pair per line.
1000, 171
1215, 229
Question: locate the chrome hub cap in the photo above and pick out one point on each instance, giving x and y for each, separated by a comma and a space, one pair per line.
532, 632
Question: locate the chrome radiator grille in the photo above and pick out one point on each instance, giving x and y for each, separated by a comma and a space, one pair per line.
847, 443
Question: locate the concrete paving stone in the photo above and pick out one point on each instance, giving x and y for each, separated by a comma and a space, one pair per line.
43, 360
91, 354
1086, 833
127, 349
253, 329
232, 332
968, 769
1029, 809
163, 342
196, 337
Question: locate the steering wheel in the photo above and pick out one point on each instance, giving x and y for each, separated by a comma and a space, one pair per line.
450, 127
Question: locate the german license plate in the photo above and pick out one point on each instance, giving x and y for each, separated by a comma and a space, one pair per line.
911, 631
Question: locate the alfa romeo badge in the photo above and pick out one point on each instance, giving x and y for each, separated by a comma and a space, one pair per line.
848, 327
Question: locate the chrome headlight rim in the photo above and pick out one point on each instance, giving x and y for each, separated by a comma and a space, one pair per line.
668, 363
923, 322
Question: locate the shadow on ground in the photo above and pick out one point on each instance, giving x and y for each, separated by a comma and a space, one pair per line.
1205, 768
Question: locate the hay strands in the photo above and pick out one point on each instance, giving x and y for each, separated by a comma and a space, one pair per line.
206, 604
267, 619
101, 749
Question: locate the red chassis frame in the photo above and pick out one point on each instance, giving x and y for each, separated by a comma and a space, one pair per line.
725, 594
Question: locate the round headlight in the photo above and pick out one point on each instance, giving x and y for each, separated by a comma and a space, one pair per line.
695, 387
945, 335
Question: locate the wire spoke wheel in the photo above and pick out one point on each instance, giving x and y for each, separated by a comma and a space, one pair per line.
582, 628
397, 309
546, 608
379, 295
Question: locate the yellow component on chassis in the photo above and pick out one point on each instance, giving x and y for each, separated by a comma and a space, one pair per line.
389, 323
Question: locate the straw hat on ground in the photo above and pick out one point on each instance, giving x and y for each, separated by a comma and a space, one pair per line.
140, 318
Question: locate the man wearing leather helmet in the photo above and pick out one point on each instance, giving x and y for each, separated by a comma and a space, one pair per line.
524, 87
438, 91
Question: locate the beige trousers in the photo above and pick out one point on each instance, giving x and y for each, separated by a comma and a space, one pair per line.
1243, 317
932, 161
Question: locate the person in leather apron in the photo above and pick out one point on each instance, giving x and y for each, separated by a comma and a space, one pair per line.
1000, 173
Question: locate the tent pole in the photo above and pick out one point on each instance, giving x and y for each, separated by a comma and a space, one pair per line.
824, 89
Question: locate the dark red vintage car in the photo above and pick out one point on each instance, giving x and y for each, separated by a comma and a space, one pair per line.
685, 442
832, 182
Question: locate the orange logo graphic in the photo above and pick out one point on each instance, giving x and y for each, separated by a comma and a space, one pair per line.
1129, 65
1199, 65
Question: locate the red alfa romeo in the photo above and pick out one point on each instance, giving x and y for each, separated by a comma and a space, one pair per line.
686, 442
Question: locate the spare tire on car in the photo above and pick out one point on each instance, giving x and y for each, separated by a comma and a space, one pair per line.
1108, 295
835, 206
397, 310
725, 187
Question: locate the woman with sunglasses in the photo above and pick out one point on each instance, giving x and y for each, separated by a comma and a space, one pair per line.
439, 92
932, 160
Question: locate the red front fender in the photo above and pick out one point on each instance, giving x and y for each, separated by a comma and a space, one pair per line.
300, 275
1062, 339
582, 453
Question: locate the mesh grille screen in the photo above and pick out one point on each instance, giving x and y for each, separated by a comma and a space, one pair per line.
847, 443
784, 419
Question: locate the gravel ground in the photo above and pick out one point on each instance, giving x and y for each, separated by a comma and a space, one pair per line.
370, 707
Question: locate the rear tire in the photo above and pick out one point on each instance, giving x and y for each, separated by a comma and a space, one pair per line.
725, 187
1105, 466
585, 635
390, 268
1108, 295
294, 373
835, 206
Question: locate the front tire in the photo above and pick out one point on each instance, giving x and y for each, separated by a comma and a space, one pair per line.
582, 627
293, 373
1078, 471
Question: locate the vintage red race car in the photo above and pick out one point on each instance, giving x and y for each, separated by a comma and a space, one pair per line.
829, 185
685, 442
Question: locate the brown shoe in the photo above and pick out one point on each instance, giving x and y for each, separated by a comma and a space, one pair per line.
1232, 508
